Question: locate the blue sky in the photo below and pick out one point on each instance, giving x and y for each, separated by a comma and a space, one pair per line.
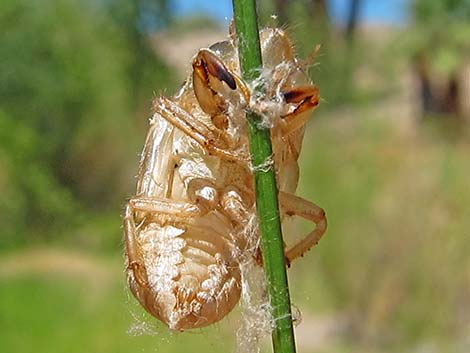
372, 11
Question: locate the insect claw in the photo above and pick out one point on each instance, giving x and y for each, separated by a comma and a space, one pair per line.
207, 63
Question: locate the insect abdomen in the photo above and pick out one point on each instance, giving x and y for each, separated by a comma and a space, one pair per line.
193, 276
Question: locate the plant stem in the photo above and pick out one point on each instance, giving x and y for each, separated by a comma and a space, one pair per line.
272, 246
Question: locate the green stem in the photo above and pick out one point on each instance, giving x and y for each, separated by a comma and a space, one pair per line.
265, 184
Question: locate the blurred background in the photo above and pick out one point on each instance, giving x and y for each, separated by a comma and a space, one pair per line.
387, 155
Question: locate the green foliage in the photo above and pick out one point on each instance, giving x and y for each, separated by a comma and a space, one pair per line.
31, 198
441, 32
73, 77
429, 11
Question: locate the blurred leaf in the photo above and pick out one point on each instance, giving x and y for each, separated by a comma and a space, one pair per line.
441, 32
74, 75
31, 196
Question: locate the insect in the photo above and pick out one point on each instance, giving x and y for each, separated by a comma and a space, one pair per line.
185, 229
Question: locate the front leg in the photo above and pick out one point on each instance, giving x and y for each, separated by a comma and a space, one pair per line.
306, 99
210, 138
209, 76
293, 205
165, 207
243, 216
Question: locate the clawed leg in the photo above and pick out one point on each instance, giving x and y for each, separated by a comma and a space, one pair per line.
293, 205
212, 85
209, 74
306, 98
176, 209
207, 137
299, 100
307, 62
236, 207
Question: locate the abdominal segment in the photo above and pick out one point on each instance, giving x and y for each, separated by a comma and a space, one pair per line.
192, 270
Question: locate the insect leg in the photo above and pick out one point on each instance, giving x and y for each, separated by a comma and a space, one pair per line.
307, 62
164, 206
173, 164
235, 207
196, 129
134, 255
203, 193
293, 205
208, 74
306, 98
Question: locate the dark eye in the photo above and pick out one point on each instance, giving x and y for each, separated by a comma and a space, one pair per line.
292, 95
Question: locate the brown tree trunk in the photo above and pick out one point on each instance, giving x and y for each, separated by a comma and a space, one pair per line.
438, 95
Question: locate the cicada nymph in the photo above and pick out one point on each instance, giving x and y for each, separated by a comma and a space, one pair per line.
186, 227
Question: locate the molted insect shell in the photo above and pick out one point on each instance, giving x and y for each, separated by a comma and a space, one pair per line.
187, 227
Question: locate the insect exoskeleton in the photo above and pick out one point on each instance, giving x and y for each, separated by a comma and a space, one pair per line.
186, 227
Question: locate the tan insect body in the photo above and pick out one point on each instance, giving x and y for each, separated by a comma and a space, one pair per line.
187, 228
